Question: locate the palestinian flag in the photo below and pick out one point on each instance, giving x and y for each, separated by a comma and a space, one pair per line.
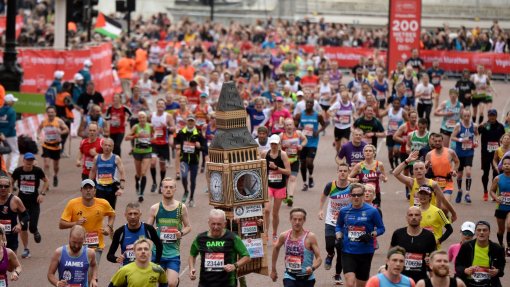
107, 26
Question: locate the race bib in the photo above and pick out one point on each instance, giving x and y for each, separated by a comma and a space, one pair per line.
354, 233
200, 122
467, 144
105, 179
492, 146
92, 239
413, 261
130, 252
188, 147
7, 225
505, 198
435, 80
115, 121
275, 176
451, 123
3, 281
481, 274
441, 182
293, 263
89, 164
345, 119
291, 151
392, 125
159, 132
380, 96
27, 186
168, 234
308, 130
249, 227
416, 200
51, 134
214, 262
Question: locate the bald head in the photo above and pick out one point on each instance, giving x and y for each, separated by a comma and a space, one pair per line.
413, 216
77, 231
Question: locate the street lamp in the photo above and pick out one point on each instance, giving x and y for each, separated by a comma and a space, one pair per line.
11, 74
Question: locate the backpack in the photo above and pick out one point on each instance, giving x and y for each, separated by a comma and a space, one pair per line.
50, 96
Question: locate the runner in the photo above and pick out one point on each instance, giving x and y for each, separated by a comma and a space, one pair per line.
95, 116
410, 82
221, 253
381, 87
418, 138
189, 141
257, 116
105, 167
433, 219
52, 128
419, 179
126, 235
396, 117
302, 255
170, 217
418, 244
501, 152
180, 117
309, 122
424, 92
357, 225
342, 112
117, 115
142, 133
372, 128
440, 267
278, 116
202, 113
75, 262
352, 152
142, 272
443, 163
491, 133
466, 88
337, 192
480, 262
278, 170
90, 147
370, 171
292, 143
450, 110
163, 124
467, 231
481, 81
436, 74
465, 134
393, 274
28, 177
415, 62
89, 212
262, 139
14, 216
500, 192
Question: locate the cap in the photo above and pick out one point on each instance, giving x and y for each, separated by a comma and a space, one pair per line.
78, 77
300, 94
492, 112
190, 118
10, 98
310, 68
87, 63
274, 139
203, 95
29, 155
279, 99
425, 188
89, 182
483, 222
468, 226
58, 74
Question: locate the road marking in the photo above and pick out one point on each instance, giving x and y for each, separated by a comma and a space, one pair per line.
183, 271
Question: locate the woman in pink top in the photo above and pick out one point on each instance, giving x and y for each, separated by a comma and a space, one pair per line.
468, 231
278, 116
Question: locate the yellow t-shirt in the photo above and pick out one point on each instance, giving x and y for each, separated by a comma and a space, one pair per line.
413, 199
434, 219
133, 276
481, 260
94, 214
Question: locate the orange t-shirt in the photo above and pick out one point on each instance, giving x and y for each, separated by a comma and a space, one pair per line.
187, 72
141, 60
125, 68
2, 96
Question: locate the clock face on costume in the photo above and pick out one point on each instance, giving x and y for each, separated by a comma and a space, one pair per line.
247, 185
216, 186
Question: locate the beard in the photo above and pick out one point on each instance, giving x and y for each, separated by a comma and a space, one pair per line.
441, 271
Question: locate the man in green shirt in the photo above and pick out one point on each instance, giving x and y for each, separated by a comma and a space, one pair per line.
219, 251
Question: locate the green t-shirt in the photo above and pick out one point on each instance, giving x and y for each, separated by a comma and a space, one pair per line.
133, 276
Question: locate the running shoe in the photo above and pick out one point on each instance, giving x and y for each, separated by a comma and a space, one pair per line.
458, 199
191, 203
305, 187
55, 181
153, 187
338, 279
327, 262
26, 253
177, 176
159, 188
467, 198
37, 237
485, 196
184, 197
290, 201
140, 198
310, 182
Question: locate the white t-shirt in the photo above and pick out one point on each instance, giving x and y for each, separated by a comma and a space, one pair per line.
426, 97
301, 106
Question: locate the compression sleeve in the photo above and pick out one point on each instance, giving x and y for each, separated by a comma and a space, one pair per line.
114, 245
447, 233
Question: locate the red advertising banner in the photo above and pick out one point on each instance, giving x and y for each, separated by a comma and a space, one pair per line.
3, 24
405, 28
40, 65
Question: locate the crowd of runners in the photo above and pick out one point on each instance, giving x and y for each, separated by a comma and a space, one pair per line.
166, 113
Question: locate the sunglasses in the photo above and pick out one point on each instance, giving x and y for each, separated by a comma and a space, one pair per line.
5, 186
357, 194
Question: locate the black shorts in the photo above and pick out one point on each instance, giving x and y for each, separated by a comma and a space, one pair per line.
357, 263
33, 209
298, 283
342, 133
161, 151
390, 142
109, 195
501, 214
308, 152
445, 132
478, 101
325, 108
52, 154
465, 102
465, 161
294, 167
141, 156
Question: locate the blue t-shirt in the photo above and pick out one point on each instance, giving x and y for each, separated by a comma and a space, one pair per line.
256, 117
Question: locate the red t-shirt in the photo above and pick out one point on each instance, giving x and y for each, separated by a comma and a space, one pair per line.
193, 97
117, 119
88, 159
309, 81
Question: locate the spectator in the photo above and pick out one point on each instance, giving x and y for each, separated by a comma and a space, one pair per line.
8, 129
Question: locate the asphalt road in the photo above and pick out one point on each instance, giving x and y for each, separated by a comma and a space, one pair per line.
393, 207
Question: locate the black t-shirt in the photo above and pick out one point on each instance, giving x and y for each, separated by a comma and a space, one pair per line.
28, 181
369, 126
86, 100
465, 87
417, 248
416, 63
490, 133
